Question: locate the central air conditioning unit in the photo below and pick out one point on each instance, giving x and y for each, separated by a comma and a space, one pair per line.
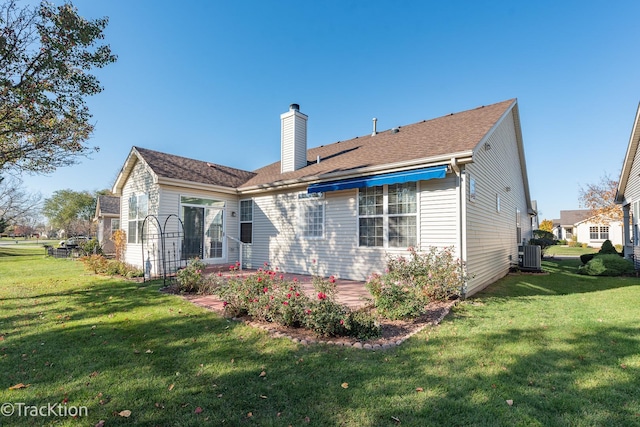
531, 258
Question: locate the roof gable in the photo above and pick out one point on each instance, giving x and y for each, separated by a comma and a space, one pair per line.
165, 166
453, 135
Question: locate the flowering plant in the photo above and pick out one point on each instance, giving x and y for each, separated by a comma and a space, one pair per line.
190, 278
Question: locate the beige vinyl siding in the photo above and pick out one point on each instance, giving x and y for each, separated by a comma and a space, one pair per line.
139, 182
491, 235
170, 204
275, 238
631, 195
439, 213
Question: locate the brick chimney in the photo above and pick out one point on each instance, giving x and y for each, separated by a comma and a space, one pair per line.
293, 138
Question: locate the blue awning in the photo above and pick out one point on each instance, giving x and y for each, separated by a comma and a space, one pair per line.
435, 172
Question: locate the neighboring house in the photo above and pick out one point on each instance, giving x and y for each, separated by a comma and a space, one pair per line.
565, 227
581, 226
456, 181
107, 218
628, 194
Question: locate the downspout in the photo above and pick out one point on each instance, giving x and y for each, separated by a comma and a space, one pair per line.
462, 217
626, 227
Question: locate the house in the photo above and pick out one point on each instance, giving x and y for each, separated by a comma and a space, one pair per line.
107, 218
628, 194
340, 209
581, 226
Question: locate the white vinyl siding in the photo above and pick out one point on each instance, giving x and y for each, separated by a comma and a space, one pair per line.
492, 237
139, 182
339, 253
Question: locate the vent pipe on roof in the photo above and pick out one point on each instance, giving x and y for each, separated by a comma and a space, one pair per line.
375, 127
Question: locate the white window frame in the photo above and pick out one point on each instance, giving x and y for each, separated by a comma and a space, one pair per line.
306, 222
245, 221
138, 218
385, 218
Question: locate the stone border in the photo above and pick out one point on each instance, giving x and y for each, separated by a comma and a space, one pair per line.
275, 333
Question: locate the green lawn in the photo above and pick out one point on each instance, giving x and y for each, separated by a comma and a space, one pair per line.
564, 348
561, 250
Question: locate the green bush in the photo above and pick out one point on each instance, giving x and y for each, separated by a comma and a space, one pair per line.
607, 265
608, 248
562, 242
91, 247
190, 278
362, 324
410, 284
327, 318
395, 300
100, 265
585, 258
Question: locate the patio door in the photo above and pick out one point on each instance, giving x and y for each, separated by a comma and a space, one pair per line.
203, 229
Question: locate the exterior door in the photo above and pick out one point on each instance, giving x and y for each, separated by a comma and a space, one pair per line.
193, 220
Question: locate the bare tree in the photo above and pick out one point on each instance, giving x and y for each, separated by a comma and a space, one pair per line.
16, 205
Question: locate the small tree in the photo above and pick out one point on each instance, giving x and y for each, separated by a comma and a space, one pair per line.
544, 239
119, 238
546, 225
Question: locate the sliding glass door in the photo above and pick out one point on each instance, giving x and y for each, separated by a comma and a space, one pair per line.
203, 221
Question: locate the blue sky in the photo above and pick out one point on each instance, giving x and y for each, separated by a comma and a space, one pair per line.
209, 79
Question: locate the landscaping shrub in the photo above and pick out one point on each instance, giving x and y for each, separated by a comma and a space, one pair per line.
327, 318
544, 239
100, 265
410, 284
607, 265
190, 278
362, 324
608, 248
585, 258
90, 247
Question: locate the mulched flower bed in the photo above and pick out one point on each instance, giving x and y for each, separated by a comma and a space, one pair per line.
394, 332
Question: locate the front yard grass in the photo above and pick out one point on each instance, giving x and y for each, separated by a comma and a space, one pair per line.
562, 348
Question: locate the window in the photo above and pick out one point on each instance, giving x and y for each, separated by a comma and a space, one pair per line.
472, 189
138, 210
388, 216
518, 227
311, 215
246, 221
598, 232
115, 225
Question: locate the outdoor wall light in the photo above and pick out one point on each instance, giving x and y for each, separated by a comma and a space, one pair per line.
233, 214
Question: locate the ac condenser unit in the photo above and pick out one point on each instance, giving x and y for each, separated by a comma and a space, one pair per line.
531, 258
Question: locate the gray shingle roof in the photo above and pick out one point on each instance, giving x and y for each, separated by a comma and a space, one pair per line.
109, 205
177, 167
572, 217
453, 133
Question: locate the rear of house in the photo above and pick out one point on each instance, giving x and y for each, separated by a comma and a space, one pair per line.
341, 209
628, 194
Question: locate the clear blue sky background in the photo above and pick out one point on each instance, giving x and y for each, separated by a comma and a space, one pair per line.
209, 79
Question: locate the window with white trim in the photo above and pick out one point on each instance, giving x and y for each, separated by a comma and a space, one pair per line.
387, 216
115, 225
246, 221
311, 215
598, 232
138, 210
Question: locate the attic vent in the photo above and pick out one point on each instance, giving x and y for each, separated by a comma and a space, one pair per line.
395, 130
